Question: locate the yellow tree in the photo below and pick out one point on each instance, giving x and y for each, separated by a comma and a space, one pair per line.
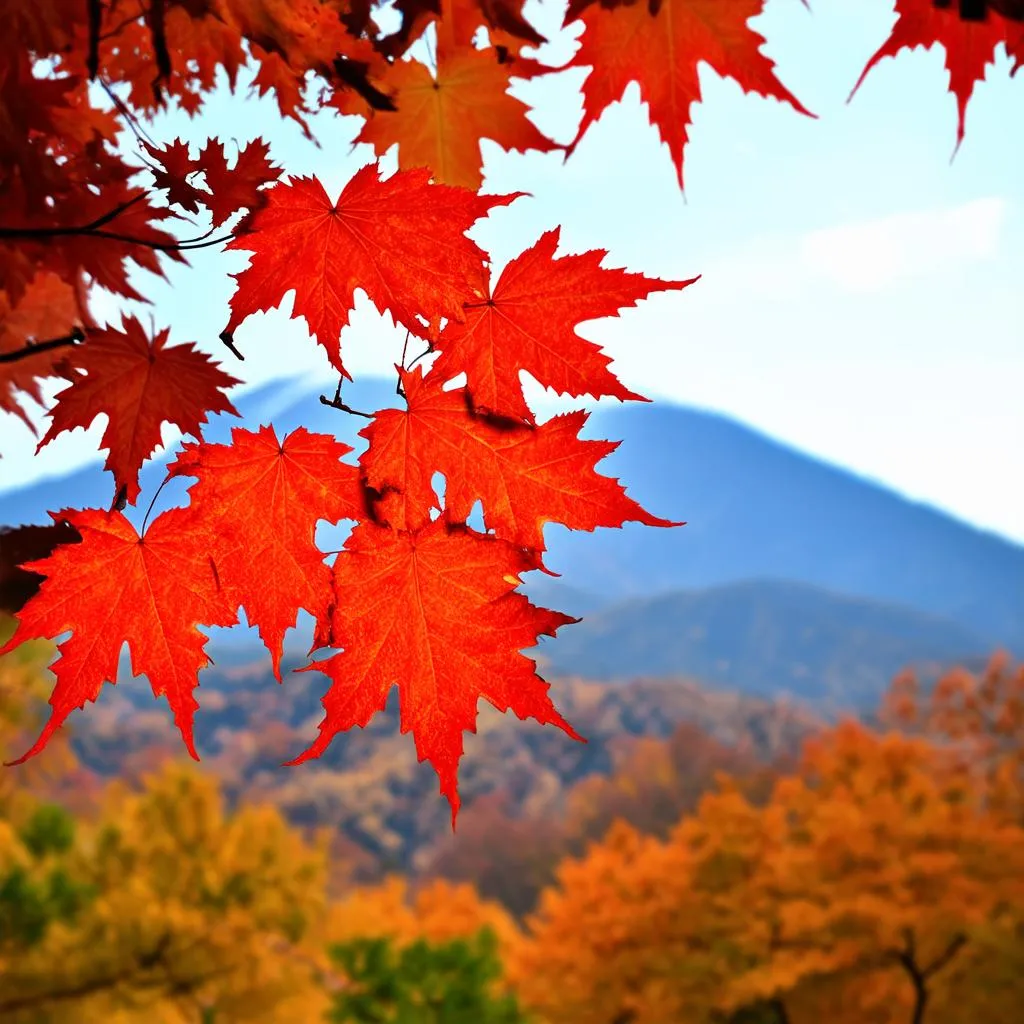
192, 914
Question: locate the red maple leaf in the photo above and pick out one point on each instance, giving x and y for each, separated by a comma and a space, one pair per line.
48, 309
401, 239
528, 322
433, 612
970, 46
173, 174
238, 187
660, 51
258, 501
112, 587
444, 112
523, 475
138, 384
230, 189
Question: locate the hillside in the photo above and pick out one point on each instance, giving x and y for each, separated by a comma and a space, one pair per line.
369, 786
756, 510
763, 637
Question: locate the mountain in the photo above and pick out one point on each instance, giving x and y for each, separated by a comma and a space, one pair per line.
755, 510
764, 637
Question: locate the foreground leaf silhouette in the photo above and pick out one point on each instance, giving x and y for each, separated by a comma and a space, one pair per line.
115, 587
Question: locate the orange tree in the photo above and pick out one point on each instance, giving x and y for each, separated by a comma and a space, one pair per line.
874, 885
979, 718
416, 598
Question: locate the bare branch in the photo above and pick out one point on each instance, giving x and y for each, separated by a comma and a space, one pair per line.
34, 348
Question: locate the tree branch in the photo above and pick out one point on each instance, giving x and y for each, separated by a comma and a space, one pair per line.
76, 337
92, 62
956, 944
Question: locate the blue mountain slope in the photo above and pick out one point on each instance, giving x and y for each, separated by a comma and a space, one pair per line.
758, 509
763, 637
755, 509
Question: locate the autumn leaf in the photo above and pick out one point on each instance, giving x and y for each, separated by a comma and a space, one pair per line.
401, 239
230, 189
432, 611
240, 187
970, 45
661, 52
50, 308
115, 587
138, 383
257, 502
528, 322
524, 475
441, 117
173, 174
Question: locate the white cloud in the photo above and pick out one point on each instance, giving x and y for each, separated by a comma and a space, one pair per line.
873, 254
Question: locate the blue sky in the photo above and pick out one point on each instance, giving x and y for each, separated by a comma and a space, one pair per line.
861, 295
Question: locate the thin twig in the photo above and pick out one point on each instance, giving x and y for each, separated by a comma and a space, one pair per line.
124, 110
76, 337
229, 341
337, 403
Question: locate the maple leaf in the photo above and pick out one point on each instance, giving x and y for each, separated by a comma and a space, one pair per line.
524, 476
661, 51
240, 186
970, 46
139, 384
19, 546
50, 308
442, 117
434, 612
401, 239
150, 591
528, 322
172, 175
230, 189
258, 500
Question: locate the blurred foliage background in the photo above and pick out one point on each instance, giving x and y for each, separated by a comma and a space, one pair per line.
858, 871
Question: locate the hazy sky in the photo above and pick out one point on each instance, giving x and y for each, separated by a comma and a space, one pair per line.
861, 295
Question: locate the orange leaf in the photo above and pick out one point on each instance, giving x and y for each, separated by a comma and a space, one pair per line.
661, 51
528, 322
115, 587
433, 612
258, 501
970, 45
441, 118
524, 476
402, 240
138, 384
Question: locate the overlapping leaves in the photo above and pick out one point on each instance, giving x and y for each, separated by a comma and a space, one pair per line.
416, 599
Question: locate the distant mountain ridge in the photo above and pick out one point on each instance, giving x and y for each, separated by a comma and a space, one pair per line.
763, 637
756, 510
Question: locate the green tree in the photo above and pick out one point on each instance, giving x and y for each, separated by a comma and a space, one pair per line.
422, 983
